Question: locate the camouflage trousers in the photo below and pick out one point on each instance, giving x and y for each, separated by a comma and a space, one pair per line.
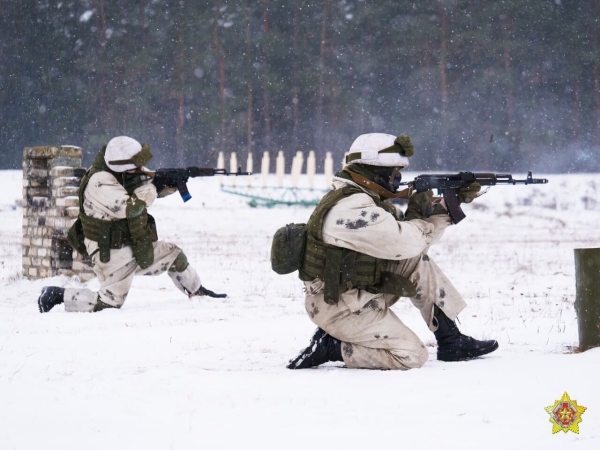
116, 276
372, 335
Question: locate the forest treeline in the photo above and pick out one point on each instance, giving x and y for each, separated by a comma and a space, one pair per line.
482, 85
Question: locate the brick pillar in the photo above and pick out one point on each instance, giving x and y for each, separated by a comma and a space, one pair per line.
51, 177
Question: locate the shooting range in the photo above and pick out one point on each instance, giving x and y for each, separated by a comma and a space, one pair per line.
282, 189
283, 90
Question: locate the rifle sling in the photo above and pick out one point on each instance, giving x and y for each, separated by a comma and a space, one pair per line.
365, 182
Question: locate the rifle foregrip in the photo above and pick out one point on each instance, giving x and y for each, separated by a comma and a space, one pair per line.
453, 205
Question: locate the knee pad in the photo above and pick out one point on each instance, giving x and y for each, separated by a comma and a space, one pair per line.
101, 305
180, 264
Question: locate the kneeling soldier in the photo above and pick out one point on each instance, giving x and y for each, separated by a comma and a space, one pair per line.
116, 231
362, 255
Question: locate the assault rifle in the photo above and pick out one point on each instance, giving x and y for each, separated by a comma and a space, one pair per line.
177, 178
448, 186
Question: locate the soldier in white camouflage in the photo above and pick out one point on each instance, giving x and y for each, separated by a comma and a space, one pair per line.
115, 230
362, 254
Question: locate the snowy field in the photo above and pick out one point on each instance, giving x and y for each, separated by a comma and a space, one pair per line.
166, 372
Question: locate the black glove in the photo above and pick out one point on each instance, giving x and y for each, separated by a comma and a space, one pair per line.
469, 193
422, 206
203, 291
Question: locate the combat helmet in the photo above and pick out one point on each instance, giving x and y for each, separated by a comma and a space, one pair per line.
124, 153
375, 160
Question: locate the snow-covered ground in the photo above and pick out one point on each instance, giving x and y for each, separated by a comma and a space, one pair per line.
166, 372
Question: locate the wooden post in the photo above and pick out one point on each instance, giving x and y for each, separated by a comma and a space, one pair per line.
297, 163
311, 168
328, 169
264, 168
587, 296
233, 167
280, 168
221, 165
249, 168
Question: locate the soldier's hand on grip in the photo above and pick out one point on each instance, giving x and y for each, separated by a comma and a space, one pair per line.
422, 205
469, 193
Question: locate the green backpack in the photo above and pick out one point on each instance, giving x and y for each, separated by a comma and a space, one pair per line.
287, 248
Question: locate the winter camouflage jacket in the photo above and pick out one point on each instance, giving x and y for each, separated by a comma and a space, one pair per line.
358, 224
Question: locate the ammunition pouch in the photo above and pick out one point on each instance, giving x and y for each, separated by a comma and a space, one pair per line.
141, 230
392, 283
287, 248
109, 235
342, 269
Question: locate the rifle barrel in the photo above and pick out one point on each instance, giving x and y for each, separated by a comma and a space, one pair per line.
210, 172
508, 179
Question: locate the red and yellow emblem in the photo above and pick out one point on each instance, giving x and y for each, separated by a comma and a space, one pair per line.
565, 414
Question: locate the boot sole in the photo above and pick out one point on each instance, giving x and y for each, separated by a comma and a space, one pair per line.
40, 306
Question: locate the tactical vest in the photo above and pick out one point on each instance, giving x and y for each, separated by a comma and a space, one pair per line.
114, 234
342, 269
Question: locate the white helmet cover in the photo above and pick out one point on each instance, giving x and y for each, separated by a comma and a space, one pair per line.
121, 148
381, 149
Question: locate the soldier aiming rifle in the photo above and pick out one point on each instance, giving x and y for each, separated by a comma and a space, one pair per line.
115, 230
358, 254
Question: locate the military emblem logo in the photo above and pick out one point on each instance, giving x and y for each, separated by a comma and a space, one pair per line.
565, 414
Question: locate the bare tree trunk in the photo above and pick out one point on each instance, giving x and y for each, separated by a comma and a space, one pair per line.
265, 85
102, 27
509, 100
250, 114
577, 114
508, 94
595, 10
295, 115
331, 106
178, 94
597, 92
266, 19
443, 75
320, 116
101, 41
295, 91
295, 28
221, 70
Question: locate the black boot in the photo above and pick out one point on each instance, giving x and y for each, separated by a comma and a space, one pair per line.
50, 297
322, 348
455, 346
203, 291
